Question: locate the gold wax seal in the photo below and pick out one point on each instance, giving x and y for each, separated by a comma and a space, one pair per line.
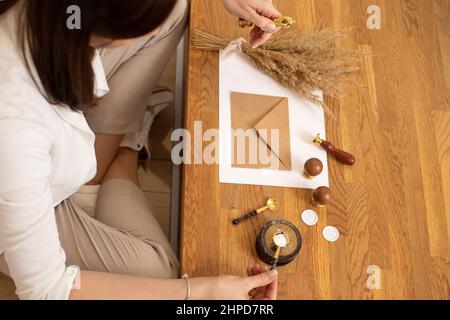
244, 23
284, 22
280, 22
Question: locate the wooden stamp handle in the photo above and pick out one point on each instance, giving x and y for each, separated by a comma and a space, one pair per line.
247, 216
342, 156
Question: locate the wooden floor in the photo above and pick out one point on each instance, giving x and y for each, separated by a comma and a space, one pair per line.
392, 208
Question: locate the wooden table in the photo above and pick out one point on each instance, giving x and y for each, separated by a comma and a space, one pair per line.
393, 208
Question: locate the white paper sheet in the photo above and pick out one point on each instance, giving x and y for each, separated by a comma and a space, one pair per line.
237, 74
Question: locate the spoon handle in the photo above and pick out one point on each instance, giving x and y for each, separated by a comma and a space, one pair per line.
247, 216
275, 259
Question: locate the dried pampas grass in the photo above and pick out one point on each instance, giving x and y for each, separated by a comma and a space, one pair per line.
300, 61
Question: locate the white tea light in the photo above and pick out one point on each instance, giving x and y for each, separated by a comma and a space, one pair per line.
331, 234
310, 217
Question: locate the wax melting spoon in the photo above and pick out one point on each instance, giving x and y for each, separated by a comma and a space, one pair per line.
271, 205
281, 241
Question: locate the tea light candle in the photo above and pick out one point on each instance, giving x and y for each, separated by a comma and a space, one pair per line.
278, 243
331, 234
310, 217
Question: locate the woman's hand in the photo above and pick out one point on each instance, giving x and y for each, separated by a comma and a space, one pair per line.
268, 292
258, 12
259, 285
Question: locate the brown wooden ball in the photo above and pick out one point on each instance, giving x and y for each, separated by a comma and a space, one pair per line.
313, 167
322, 196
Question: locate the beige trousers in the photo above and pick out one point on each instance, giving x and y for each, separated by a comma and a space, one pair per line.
114, 230
117, 232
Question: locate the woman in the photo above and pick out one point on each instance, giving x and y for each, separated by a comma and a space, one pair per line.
52, 78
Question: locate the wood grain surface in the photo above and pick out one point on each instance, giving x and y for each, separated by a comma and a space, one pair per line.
392, 208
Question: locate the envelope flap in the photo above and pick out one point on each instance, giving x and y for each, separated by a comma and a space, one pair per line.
249, 109
277, 118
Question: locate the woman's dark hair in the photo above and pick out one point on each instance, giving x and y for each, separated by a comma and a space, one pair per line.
62, 56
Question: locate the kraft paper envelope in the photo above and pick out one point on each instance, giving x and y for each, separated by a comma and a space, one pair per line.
258, 116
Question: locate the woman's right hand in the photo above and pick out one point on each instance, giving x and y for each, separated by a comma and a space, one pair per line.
258, 12
260, 284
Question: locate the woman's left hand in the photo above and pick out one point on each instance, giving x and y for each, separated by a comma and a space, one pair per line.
258, 12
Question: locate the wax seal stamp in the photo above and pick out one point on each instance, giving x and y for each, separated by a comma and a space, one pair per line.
272, 205
313, 168
321, 197
340, 155
278, 243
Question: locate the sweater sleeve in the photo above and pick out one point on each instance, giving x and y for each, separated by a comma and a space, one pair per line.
28, 232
